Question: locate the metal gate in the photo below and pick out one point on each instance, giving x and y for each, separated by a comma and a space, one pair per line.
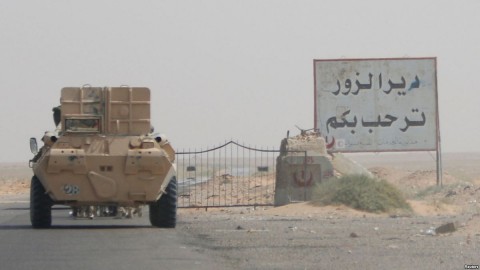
226, 176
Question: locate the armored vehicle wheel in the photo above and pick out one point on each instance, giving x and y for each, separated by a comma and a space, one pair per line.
40, 205
163, 213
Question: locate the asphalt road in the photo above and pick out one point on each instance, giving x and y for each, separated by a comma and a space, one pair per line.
92, 244
233, 239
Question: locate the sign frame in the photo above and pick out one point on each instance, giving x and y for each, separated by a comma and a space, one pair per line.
347, 67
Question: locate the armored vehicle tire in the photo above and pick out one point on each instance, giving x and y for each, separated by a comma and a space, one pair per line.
163, 213
40, 205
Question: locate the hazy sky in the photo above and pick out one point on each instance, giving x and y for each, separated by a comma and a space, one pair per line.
222, 70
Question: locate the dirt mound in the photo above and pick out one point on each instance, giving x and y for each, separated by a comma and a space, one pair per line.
412, 182
306, 209
14, 186
14, 178
225, 190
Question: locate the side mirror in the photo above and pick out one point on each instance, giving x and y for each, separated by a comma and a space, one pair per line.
33, 146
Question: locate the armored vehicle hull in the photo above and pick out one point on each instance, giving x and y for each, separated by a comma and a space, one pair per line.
86, 175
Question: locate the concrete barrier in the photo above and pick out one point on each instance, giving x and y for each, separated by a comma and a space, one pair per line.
302, 163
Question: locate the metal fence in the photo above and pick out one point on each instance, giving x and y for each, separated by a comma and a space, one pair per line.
228, 175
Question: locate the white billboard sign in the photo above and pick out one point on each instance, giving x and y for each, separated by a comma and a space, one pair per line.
375, 105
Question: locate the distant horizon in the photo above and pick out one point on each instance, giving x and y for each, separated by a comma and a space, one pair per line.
352, 154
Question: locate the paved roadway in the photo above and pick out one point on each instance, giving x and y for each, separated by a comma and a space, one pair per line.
92, 244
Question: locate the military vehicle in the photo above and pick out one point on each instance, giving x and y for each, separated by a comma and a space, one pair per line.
104, 154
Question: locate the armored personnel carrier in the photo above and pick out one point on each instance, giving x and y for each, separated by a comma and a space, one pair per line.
103, 153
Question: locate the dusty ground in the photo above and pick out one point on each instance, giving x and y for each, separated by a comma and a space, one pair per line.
14, 178
303, 236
